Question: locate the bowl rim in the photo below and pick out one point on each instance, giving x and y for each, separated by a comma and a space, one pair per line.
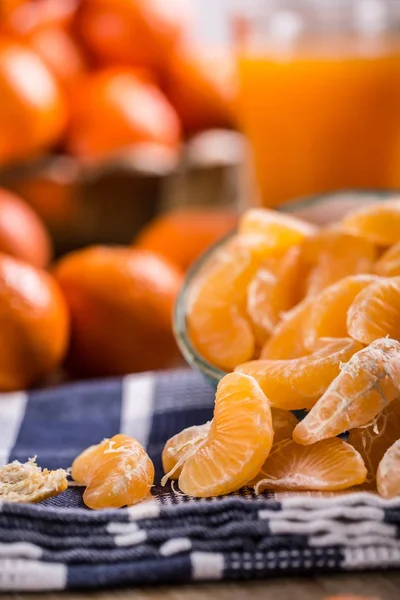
189, 352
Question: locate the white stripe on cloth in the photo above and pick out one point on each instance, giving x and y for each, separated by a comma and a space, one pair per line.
358, 513
21, 550
365, 558
175, 546
150, 509
304, 501
207, 565
31, 575
12, 411
334, 539
137, 406
331, 526
131, 539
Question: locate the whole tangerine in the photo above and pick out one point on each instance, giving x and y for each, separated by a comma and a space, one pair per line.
33, 324
22, 233
117, 107
32, 108
133, 32
183, 235
121, 302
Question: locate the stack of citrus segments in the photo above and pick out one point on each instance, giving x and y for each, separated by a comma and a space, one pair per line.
302, 318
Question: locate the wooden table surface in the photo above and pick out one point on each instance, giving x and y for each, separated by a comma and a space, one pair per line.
385, 586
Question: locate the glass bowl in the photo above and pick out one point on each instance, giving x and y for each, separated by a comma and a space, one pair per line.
320, 210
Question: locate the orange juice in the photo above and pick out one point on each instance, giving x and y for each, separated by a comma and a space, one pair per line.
322, 122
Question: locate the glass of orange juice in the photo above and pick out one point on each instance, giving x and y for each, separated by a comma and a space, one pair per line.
319, 96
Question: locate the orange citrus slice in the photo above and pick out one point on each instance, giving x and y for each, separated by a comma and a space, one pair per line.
182, 445
298, 383
332, 254
279, 230
389, 263
372, 440
239, 440
326, 466
375, 312
328, 317
117, 472
387, 477
378, 223
364, 387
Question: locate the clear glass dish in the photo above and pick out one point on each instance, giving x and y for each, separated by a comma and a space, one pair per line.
321, 210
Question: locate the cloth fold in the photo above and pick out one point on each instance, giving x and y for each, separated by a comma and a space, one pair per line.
60, 544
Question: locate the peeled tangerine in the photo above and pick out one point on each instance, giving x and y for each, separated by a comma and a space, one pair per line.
328, 317
217, 321
378, 223
117, 472
364, 387
272, 291
325, 466
375, 313
372, 440
235, 447
278, 229
388, 478
389, 263
332, 254
298, 383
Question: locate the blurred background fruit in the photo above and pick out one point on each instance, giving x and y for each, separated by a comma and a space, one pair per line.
183, 235
118, 108
121, 303
62, 55
32, 108
22, 233
201, 86
33, 324
132, 32
22, 17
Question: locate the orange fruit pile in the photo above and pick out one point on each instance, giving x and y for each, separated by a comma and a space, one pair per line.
105, 75
313, 316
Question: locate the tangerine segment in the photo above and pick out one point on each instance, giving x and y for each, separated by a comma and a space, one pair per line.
273, 291
389, 263
326, 466
372, 440
180, 446
332, 254
300, 382
283, 424
378, 223
375, 313
239, 440
328, 317
286, 341
365, 385
217, 321
118, 472
278, 229
387, 477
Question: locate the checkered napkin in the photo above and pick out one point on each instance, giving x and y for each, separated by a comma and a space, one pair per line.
60, 544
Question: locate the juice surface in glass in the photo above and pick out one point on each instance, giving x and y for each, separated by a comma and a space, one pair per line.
322, 117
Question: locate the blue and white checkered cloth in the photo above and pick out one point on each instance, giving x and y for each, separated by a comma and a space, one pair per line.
60, 544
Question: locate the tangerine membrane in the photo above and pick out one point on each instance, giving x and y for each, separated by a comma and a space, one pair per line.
238, 443
328, 465
378, 223
328, 317
117, 472
332, 254
367, 383
298, 383
180, 446
375, 312
372, 440
387, 477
